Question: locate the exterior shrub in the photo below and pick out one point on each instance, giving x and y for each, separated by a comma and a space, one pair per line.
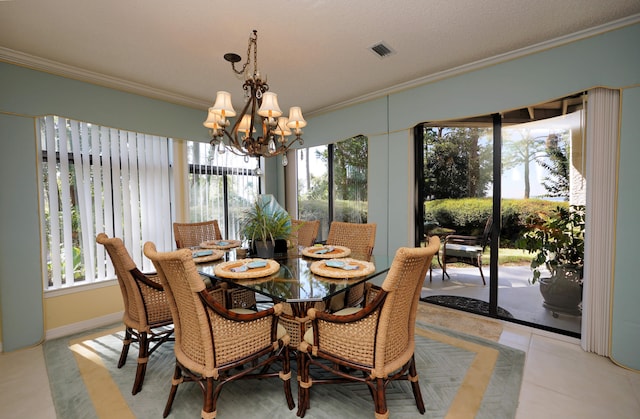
468, 216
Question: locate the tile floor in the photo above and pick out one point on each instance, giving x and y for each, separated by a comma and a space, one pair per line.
560, 381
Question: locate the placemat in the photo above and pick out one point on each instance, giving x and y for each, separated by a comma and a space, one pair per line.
364, 268
224, 269
221, 244
217, 254
336, 252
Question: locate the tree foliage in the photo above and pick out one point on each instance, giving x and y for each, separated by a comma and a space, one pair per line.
556, 181
457, 164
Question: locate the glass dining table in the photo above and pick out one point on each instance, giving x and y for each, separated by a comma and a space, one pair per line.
295, 283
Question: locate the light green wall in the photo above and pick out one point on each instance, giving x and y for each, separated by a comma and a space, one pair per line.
626, 315
20, 265
610, 60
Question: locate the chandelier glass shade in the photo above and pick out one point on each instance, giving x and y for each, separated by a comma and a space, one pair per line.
260, 129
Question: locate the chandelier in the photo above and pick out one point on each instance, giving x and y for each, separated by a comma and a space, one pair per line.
260, 111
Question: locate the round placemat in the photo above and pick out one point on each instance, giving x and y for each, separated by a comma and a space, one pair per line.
364, 268
224, 269
337, 252
217, 254
216, 244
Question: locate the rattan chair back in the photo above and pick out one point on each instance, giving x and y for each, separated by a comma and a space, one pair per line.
360, 238
304, 232
192, 234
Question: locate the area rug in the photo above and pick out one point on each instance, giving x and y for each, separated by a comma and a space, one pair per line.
460, 321
461, 376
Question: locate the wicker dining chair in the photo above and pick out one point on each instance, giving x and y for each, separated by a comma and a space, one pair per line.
360, 238
147, 317
373, 345
304, 232
215, 346
192, 234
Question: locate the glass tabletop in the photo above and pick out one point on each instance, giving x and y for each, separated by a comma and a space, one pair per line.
295, 282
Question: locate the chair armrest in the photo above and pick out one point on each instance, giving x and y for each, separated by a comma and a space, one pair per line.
150, 279
374, 305
210, 302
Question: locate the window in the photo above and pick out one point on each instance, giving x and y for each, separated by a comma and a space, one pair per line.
332, 183
221, 186
99, 179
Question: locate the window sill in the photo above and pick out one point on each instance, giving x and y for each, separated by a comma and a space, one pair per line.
79, 288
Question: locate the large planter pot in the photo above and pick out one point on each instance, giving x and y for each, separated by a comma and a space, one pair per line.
263, 249
563, 291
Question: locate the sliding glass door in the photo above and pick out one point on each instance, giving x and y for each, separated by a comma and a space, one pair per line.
523, 172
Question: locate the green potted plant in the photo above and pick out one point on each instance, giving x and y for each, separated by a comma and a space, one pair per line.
262, 228
557, 242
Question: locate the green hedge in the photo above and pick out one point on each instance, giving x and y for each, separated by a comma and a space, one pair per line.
469, 215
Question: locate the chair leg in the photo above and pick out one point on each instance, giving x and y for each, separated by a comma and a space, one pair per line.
125, 347
415, 386
143, 356
481, 274
380, 399
177, 379
210, 398
303, 391
286, 370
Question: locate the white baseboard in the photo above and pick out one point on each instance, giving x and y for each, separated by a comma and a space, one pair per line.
70, 329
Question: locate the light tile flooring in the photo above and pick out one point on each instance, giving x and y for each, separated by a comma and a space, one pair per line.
560, 381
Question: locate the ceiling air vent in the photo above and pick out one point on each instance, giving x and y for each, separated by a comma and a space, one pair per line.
382, 50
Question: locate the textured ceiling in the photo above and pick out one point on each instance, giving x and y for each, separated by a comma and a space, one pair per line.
315, 53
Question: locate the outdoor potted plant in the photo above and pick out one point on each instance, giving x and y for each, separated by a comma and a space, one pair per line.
265, 228
557, 242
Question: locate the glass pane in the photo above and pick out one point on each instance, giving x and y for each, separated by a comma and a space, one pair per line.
313, 187
350, 180
221, 186
458, 186
543, 171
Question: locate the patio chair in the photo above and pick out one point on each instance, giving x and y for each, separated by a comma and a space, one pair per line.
360, 238
373, 345
192, 234
147, 317
466, 249
215, 346
304, 232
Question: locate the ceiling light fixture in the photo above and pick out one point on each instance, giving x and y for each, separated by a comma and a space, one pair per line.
261, 108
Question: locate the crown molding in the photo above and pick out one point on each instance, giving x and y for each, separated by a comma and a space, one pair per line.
59, 69
487, 62
53, 67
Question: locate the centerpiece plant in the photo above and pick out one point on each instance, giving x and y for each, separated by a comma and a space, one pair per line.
263, 227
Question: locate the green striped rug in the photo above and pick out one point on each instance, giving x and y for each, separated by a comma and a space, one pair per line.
461, 376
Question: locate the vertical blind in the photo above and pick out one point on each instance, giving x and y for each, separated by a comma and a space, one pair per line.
603, 118
98, 179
